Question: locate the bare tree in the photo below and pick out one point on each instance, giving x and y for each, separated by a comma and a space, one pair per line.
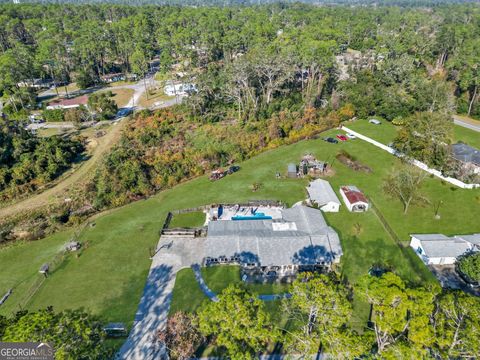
404, 184
181, 336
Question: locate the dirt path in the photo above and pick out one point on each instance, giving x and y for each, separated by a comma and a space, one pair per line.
80, 174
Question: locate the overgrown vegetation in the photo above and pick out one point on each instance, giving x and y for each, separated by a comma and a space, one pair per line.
28, 162
160, 150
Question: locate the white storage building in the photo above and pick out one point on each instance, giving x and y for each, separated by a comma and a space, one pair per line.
321, 193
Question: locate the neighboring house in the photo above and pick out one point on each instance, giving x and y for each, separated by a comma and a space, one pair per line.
321, 193
298, 239
36, 83
68, 103
468, 156
110, 78
179, 89
354, 199
438, 249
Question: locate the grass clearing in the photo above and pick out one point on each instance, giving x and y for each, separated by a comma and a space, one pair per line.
386, 132
122, 97
108, 278
188, 220
154, 96
188, 297
467, 136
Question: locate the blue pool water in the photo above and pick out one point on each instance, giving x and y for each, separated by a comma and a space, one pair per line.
256, 216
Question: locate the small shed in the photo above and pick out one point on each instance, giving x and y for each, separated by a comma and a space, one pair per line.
115, 330
73, 246
292, 170
44, 269
321, 193
354, 199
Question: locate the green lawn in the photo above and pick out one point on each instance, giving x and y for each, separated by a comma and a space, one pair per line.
187, 295
467, 136
386, 132
188, 220
108, 278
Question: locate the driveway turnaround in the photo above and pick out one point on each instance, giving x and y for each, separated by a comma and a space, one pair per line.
173, 255
206, 290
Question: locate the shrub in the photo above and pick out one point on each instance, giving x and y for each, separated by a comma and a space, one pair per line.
470, 266
56, 115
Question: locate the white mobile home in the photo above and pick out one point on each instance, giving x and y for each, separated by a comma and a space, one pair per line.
438, 249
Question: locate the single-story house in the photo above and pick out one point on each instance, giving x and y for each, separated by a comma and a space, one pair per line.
110, 78
36, 83
321, 193
300, 240
179, 89
468, 156
354, 199
438, 249
68, 103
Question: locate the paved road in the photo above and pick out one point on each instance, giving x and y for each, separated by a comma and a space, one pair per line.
173, 254
472, 126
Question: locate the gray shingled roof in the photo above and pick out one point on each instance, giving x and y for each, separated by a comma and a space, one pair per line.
445, 248
466, 153
439, 245
301, 237
321, 192
473, 239
427, 237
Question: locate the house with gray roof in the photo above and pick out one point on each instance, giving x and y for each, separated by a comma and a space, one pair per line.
321, 193
468, 156
298, 241
438, 249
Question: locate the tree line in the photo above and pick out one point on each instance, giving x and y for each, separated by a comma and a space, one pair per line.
417, 59
255, 2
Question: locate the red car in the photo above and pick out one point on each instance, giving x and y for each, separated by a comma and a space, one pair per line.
342, 137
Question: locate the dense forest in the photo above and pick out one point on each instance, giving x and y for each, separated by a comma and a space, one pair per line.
253, 2
266, 75
404, 59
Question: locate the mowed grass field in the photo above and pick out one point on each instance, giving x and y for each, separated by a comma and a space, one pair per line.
386, 132
108, 278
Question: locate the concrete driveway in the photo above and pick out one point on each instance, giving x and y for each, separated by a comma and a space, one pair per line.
173, 254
